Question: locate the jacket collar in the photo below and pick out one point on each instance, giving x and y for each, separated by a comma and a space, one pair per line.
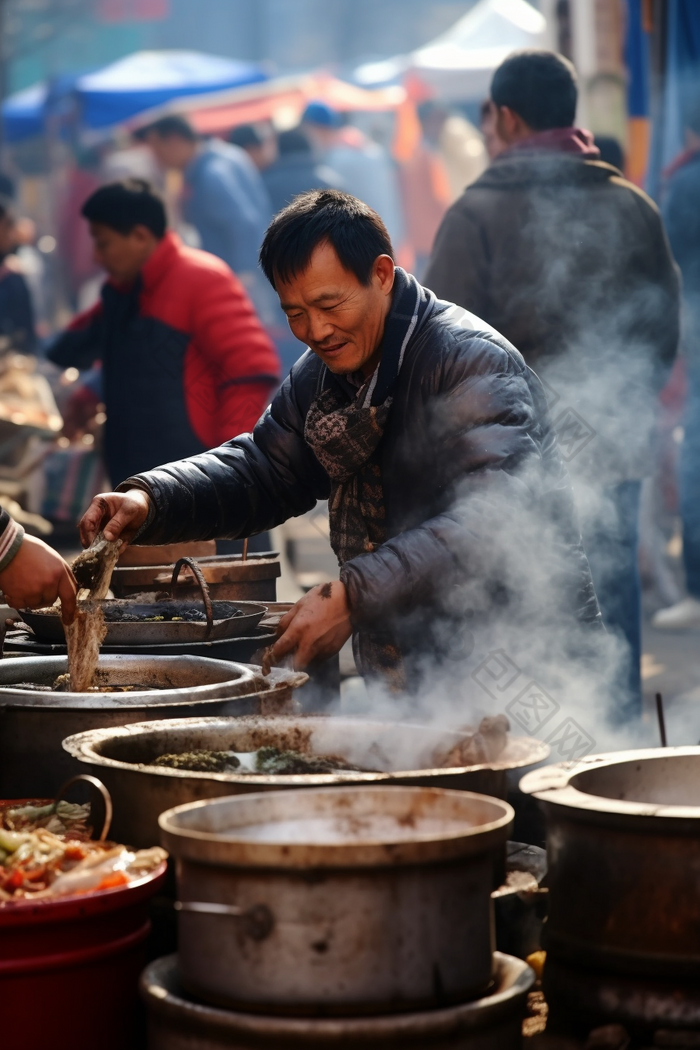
158, 264
523, 168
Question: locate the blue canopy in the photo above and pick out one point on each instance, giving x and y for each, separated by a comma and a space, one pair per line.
127, 87
23, 113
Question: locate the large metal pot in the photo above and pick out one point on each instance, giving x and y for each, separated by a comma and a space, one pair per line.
347, 899
623, 849
491, 1023
33, 723
403, 754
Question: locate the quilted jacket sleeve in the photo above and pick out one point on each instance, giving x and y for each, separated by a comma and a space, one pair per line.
245, 486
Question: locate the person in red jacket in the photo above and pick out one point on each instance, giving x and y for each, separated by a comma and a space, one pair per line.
186, 364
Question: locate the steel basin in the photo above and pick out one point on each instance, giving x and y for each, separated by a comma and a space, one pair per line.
341, 900
33, 724
623, 850
121, 757
490, 1023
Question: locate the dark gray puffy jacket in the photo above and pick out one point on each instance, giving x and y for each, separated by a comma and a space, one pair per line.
479, 510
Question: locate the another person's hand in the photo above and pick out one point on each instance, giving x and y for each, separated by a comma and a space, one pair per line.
37, 576
317, 627
79, 412
119, 515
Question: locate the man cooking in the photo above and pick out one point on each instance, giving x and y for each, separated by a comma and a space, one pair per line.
420, 425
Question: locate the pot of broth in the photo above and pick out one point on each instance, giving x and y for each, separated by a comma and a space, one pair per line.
155, 765
35, 719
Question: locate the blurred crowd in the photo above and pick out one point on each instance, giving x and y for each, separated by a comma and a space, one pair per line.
526, 221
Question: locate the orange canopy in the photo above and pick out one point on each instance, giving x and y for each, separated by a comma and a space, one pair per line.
284, 98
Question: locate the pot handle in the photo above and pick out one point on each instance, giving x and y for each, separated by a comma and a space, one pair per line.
257, 922
107, 798
203, 586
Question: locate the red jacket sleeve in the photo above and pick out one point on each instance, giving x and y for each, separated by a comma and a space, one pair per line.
233, 367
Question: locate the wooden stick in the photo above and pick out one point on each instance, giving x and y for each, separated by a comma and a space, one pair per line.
660, 716
245, 550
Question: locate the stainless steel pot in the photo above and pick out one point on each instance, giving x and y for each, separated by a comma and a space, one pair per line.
403, 754
347, 899
623, 849
33, 723
491, 1023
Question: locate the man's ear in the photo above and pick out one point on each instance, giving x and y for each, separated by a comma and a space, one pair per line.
384, 272
510, 126
143, 235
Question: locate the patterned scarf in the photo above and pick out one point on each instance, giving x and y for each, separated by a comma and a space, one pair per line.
344, 428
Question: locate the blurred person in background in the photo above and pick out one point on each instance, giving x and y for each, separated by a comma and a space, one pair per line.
365, 168
681, 212
259, 141
16, 309
297, 170
223, 196
185, 361
571, 263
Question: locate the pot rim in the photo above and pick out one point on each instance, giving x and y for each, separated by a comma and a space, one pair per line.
240, 676
553, 784
211, 848
83, 746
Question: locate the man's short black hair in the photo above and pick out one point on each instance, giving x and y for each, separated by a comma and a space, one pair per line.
351, 227
125, 204
539, 86
168, 127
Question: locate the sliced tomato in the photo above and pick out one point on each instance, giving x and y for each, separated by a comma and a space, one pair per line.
115, 878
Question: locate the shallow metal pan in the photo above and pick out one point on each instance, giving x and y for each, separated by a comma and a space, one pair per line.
47, 624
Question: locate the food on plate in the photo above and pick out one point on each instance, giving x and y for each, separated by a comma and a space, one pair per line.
46, 851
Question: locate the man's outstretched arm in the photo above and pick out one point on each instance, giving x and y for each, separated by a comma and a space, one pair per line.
245, 486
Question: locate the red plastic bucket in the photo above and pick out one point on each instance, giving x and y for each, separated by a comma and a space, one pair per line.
69, 968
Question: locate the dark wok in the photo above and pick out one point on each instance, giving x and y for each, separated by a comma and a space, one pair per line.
230, 620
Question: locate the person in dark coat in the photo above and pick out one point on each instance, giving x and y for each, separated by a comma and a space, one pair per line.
427, 434
571, 263
296, 170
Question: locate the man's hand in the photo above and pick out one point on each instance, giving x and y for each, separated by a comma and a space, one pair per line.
37, 576
120, 515
317, 627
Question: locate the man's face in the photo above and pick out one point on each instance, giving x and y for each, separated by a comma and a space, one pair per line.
121, 254
171, 151
340, 319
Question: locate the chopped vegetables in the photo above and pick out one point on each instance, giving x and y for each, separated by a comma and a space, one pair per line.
264, 760
46, 851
